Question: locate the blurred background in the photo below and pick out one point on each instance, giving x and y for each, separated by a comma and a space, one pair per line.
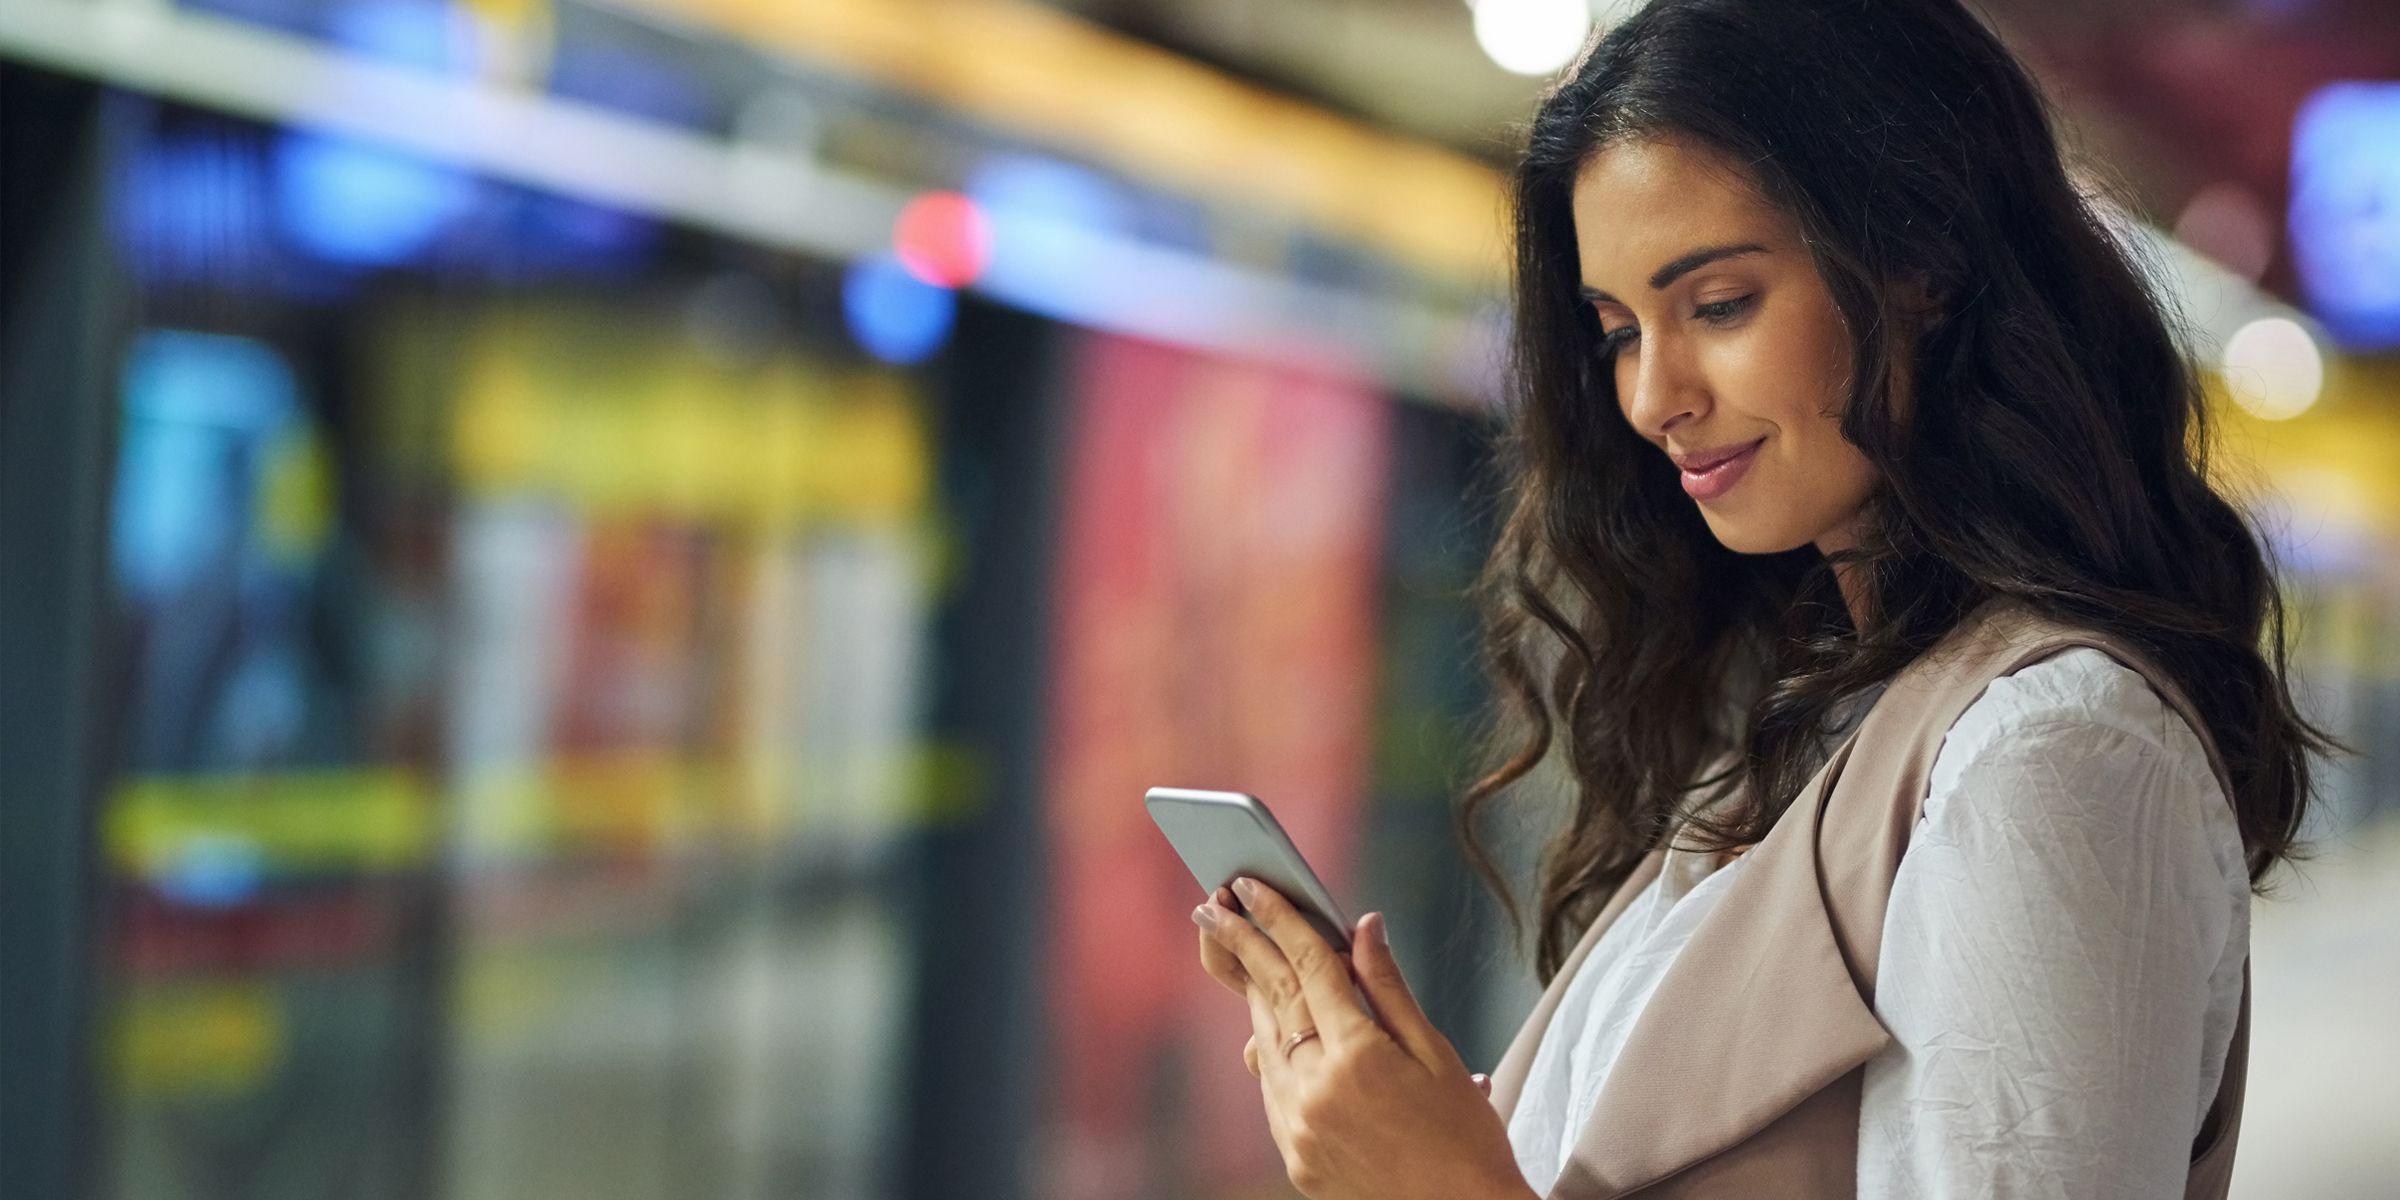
592, 586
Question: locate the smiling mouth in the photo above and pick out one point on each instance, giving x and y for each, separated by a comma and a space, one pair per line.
1714, 458
1709, 478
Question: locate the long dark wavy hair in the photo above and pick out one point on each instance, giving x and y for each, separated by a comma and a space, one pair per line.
2055, 447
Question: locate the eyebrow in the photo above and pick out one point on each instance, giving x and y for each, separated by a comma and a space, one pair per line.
1679, 268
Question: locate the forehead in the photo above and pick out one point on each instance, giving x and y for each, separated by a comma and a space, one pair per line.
1640, 203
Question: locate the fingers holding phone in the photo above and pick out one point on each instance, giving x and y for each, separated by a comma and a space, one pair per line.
1219, 962
1222, 835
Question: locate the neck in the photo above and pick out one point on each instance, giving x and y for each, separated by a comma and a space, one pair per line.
1852, 580
1854, 593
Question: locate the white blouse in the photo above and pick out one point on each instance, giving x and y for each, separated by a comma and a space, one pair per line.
2061, 963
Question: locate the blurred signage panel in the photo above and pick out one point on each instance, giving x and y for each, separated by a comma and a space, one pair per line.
515, 689
690, 580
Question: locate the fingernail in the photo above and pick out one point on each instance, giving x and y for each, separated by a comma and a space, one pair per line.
1205, 917
1247, 890
1374, 924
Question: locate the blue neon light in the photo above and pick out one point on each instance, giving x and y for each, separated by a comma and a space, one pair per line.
355, 204
2345, 214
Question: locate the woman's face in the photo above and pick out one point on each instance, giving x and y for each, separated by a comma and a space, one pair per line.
1729, 352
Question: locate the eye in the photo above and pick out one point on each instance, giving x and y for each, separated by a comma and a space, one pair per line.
1612, 342
1723, 311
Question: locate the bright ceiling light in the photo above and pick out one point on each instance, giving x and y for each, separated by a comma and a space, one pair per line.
2273, 368
1532, 37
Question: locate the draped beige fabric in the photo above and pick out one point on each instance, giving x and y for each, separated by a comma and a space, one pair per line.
1741, 1077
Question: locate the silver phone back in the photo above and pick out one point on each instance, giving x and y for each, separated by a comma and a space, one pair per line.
1224, 834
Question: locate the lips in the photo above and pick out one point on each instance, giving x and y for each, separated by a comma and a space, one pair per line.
1712, 473
1704, 459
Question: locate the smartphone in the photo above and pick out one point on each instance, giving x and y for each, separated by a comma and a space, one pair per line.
1224, 834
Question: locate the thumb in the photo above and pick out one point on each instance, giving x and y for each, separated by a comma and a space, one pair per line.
1395, 1006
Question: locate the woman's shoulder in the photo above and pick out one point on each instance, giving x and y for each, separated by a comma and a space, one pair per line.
2080, 739
2081, 693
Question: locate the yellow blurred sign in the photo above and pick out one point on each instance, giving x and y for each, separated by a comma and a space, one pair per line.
609, 419
216, 1038
372, 819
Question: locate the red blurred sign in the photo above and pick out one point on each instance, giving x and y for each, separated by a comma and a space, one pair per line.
1215, 627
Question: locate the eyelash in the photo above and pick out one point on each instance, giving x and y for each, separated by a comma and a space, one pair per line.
1716, 313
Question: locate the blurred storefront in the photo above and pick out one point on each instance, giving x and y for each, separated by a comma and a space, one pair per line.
594, 587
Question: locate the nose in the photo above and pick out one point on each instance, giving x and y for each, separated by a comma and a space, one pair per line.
1660, 390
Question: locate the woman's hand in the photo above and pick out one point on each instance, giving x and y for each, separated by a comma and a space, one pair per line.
1378, 1104
1223, 967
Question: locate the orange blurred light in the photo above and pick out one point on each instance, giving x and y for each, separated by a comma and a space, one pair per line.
943, 239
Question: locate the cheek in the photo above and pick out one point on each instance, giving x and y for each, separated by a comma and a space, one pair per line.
1786, 369
1813, 386
1805, 399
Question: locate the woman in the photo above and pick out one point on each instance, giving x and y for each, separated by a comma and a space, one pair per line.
1857, 481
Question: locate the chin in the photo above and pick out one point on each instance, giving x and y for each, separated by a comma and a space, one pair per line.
1754, 537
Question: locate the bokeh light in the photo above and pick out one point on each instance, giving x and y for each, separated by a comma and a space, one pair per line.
2273, 368
347, 201
943, 239
894, 315
2345, 216
1532, 37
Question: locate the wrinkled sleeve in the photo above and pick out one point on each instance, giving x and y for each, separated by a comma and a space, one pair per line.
2056, 932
